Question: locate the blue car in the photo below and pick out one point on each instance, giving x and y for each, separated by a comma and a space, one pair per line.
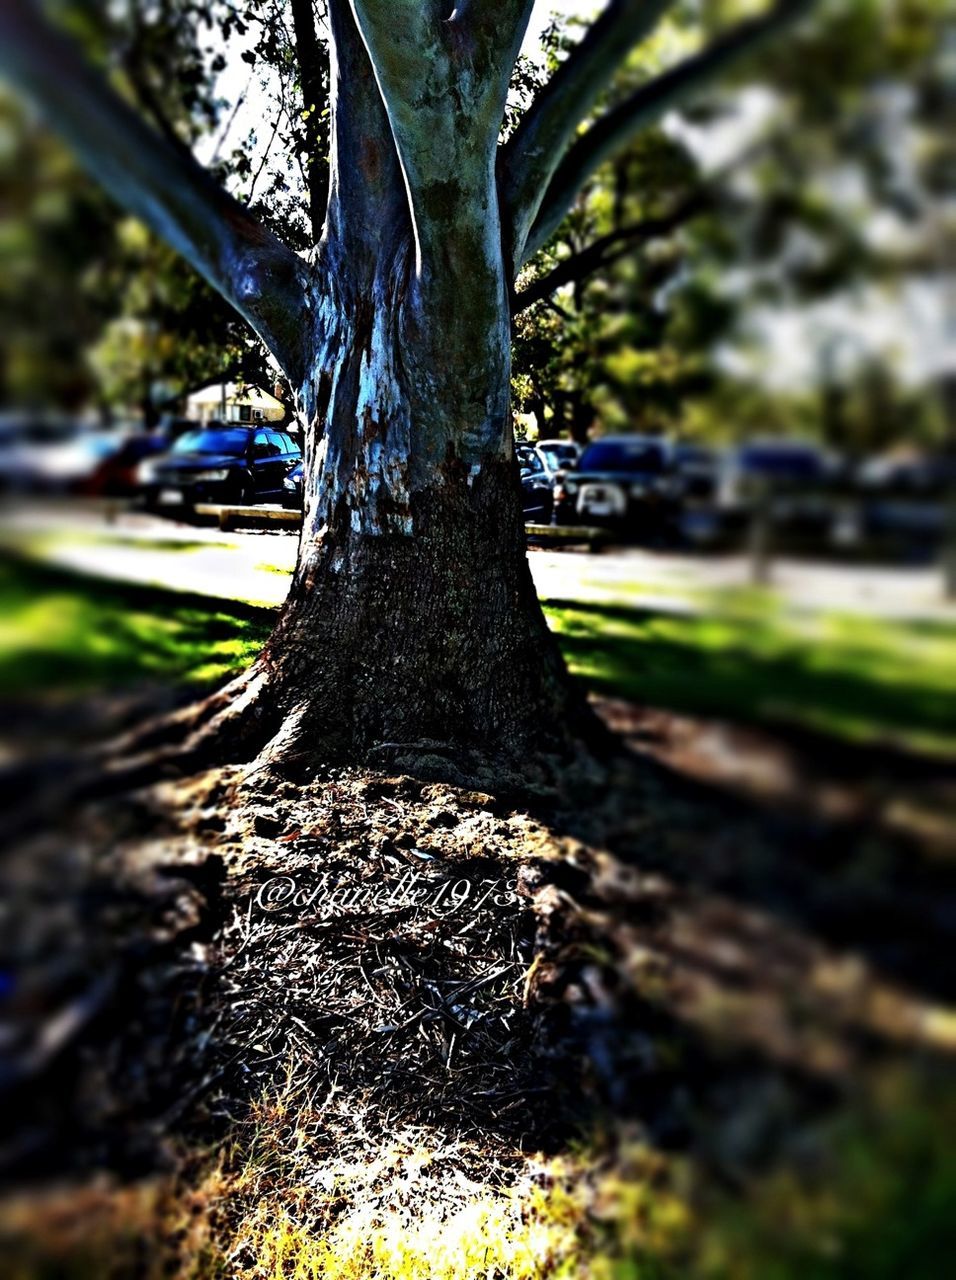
292, 487
223, 463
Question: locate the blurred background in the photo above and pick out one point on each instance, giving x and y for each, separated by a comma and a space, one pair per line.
734, 389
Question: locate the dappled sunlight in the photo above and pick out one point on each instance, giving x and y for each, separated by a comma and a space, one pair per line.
859, 679
64, 633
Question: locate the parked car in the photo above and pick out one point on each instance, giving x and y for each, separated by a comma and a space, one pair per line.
697, 469
789, 484
626, 482
223, 463
902, 502
918, 476
558, 455
292, 487
537, 493
16, 452
792, 475
42, 455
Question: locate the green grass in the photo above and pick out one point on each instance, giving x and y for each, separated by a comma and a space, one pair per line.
855, 678
745, 659
871, 1199
62, 632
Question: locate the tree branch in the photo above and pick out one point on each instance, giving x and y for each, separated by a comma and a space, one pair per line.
645, 107
532, 154
366, 196
261, 277
609, 248
444, 82
313, 72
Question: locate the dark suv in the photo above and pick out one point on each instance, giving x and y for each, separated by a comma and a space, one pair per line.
537, 500
223, 463
624, 481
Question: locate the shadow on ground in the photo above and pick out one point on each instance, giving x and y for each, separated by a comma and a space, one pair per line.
471, 983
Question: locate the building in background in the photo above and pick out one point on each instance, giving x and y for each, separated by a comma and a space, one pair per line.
228, 402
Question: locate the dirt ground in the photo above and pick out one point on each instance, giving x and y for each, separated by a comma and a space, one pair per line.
367, 963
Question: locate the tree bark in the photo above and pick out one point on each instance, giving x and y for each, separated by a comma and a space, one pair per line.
412, 624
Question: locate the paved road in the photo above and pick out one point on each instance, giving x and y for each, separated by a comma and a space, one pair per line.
256, 566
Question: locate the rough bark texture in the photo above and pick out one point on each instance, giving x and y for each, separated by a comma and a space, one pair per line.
412, 624
391, 642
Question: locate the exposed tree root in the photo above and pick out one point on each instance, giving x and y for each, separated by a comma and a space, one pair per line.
231, 726
273, 736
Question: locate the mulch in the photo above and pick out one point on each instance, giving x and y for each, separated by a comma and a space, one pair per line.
394, 956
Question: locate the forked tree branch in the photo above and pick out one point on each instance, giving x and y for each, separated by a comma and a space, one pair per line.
259, 275
444, 82
645, 107
609, 248
529, 159
366, 194
443, 79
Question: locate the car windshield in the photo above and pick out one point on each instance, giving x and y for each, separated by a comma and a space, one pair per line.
529, 460
560, 452
223, 440
623, 455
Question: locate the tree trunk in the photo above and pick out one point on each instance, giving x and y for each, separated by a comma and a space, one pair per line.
422, 640
412, 624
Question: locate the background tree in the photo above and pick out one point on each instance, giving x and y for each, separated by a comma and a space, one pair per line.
96, 307
785, 191
412, 621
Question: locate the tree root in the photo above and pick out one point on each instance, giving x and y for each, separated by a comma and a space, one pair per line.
174, 729
240, 723
231, 726
284, 729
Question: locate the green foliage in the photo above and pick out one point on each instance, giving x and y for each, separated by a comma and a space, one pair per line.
94, 308
54, 228
784, 225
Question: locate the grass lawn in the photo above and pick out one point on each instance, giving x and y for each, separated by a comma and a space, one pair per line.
62, 632
855, 678
743, 658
